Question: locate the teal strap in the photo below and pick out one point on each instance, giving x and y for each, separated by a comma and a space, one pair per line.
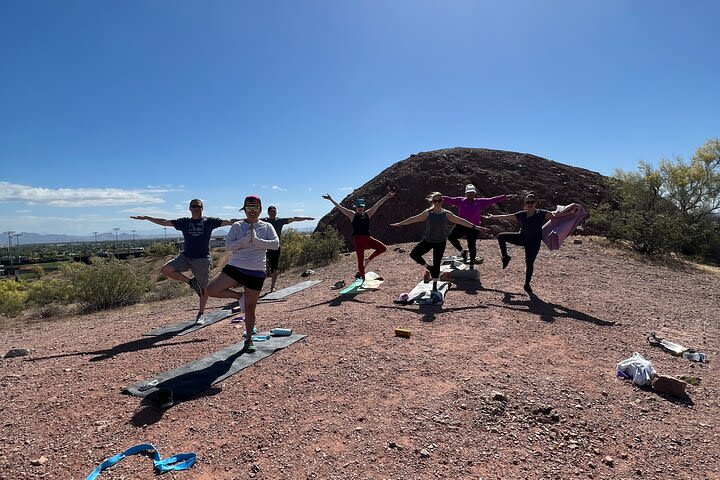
181, 461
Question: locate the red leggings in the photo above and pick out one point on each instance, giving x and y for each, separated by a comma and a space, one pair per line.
363, 242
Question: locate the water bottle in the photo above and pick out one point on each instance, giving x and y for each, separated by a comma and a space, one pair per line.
281, 332
694, 356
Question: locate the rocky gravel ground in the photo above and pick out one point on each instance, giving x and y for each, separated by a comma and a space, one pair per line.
491, 385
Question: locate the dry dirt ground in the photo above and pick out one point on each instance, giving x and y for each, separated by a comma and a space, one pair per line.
490, 385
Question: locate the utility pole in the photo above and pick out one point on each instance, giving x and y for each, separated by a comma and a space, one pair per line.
165, 228
117, 244
133, 232
95, 233
9, 234
17, 245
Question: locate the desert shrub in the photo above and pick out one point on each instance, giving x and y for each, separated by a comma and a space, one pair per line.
13, 296
162, 249
321, 248
48, 311
106, 283
647, 232
292, 246
166, 291
50, 291
38, 271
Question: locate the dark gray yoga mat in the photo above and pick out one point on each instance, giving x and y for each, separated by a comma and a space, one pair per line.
199, 375
280, 294
189, 326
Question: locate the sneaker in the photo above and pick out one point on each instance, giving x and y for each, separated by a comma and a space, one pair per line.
245, 332
195, 286
200, 319
358, 276
506, 260
427, 277
249, 347
464, 256
527, 288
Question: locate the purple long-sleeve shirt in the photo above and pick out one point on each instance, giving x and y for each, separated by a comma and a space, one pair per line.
470, 210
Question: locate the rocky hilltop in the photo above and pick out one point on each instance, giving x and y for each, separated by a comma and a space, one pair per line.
493, 172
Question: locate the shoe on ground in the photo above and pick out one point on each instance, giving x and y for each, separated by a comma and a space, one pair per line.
249, 347
200, 319
506, 260
527, 288
358, 276
464, 256
195, 286
427, 277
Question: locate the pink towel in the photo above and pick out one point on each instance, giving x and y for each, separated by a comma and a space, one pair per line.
558, 229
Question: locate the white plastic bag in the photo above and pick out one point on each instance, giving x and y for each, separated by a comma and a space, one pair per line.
636, 368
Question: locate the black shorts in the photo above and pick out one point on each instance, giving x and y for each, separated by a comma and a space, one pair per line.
273, 259
248, 281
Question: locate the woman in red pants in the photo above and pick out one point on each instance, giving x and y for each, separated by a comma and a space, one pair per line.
361, 230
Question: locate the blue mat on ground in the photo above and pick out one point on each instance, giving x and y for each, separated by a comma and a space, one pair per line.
199, 375
282, 293
189, 326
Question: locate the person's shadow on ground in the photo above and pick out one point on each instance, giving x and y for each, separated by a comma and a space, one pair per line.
547, 311
145, 343
429, 312
184, 387
333, 302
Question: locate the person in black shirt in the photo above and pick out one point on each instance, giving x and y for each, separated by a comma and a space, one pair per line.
531, 221
273, 256
361, 230
195, 256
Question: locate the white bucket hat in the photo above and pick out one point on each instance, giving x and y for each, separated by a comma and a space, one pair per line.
470, 188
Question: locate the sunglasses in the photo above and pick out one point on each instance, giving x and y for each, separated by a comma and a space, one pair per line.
254, 208
530, 202
195, 206
439, 200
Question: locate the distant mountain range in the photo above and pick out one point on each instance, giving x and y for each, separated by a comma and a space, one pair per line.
27, 238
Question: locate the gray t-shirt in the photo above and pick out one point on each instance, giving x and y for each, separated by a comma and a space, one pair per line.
436, 227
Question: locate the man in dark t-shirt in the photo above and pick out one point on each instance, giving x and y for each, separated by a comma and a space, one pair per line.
273, 256
195, 256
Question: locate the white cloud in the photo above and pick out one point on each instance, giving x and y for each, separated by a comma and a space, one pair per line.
275, 187
76, 197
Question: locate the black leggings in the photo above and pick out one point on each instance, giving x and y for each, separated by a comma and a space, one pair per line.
422, 248
531, 251
471, 234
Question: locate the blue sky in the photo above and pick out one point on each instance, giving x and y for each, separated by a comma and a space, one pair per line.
111, 109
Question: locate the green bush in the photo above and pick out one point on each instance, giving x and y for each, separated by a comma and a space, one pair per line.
38, 271
106, 283
321, 248
162, 249
166, 291
647, 232
317, 249
50, 291
13, 296
292, 246
47, 311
